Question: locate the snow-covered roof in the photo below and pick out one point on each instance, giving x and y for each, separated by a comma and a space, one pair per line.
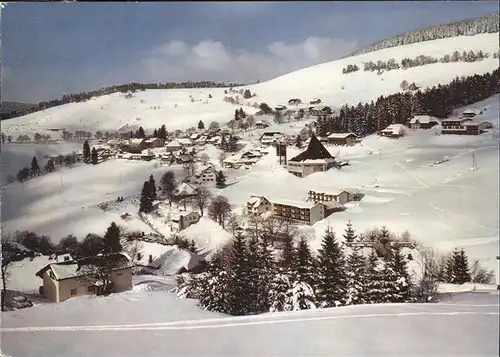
194, 136
340, 135
424, 119
135, 141
71, 269
185, 189
293, 203
184, 141
474, 111
173, 143
395, 129
256, 201
477, 120
151, 140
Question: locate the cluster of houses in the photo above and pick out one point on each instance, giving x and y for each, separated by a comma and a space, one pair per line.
319, 205
470, 122
245, 159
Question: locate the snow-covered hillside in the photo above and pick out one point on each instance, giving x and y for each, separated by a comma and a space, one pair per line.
182, 108
156, 323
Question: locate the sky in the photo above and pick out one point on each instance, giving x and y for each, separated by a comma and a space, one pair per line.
51, 49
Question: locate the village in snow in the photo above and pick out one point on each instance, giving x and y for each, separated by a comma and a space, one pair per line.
340, 192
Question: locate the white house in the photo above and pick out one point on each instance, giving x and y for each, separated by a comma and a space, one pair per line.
394, 131
172, 146
257, 205
341, 196
423, 122
207, 175
471, 112
182, 220
298, 211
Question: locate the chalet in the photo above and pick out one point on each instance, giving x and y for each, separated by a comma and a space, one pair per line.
297, 211
465, 126
423, 122
343, 139
270, 137
262, 124
315, 159
113, 143
67, 279
185, 219
477, 125
393, 131
294, 101
315, 101
251, 154
340, 196
202, 140
154, 142
172, 146
280, 108
134, 145
236, 161
184, 158
144, 155
471, 112
214, 140
194, 137
185, 142
185, 190
207, 175
258, 205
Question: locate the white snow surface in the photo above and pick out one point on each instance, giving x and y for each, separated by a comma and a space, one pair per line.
152, 322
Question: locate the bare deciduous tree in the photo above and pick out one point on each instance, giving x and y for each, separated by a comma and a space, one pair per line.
134, 249
201, 198
204, 158
97, 270
429, 272
219, 209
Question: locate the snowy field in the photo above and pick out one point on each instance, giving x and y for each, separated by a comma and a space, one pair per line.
467, 326
17, 156
445, 205
183, 108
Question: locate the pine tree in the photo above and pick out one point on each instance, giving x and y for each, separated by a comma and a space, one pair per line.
201, 126
461, 269
356, 278
350, 235
304, 263
111, 241
152, 187
94, 156
331, 280
299, 297
288, 256
50, 166
140, 133
146, 203
86, 151
279, 291
239, 287
212, 287
220, 179
155, 133
35, 168
374, 283
236, 114
449, 273
401, 282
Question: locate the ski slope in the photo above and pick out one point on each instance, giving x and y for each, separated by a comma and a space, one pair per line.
156, 323
176, 110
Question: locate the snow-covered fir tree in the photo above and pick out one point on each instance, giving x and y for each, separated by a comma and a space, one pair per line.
239, 287
331, 279
461, 270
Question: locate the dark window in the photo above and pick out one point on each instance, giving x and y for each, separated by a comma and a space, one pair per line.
73, 292
90, 289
